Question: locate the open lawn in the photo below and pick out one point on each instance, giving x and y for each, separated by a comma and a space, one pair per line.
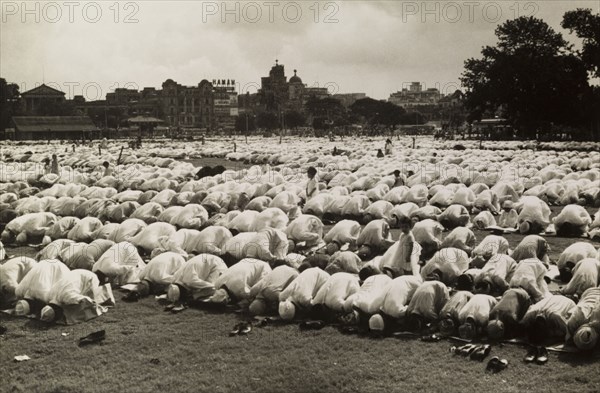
195, 353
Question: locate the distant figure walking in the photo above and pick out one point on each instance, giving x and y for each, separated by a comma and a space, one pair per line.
379, 153
388, 147
54, 167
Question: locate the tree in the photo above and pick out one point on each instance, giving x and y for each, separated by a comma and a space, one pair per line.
530, 77
243, 121
390, 114
587, 27
267, 120
294, 119
9, 103
378, 112
328, 108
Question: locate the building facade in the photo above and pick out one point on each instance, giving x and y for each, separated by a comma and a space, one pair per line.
40, 99
279, 95
415, 96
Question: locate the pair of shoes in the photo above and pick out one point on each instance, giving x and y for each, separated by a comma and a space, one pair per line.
495, 365
464, 350
431, 338
241, 328
178, 308
312, 325
92, 338
131, 297
536, 354
348, 329
481, 352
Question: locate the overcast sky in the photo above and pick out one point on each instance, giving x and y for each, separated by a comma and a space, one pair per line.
367, 46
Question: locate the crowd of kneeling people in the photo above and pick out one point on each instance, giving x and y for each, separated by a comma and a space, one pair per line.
354, 275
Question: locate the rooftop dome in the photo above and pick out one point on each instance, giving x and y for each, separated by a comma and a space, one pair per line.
295, 78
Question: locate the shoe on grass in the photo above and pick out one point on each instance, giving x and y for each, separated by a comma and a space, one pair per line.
531, 355
542, 355
495, 365
245, 328
481, 352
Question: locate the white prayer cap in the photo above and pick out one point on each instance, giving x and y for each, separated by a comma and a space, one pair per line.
257, 307
586, 337
173, 293
376, 323
220, 297
22, 308
47, 314
287, 310
21, 238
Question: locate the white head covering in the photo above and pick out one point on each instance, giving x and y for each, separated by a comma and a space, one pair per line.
586, 337
376, 323
22, 308
173, 293
220, 297
47, 314
21, 238
287, 310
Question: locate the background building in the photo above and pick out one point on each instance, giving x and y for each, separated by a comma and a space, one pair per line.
40, 100
415, 96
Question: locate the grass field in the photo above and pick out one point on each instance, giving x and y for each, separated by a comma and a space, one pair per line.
147, 349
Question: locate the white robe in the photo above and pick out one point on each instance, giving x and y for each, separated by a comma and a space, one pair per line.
270, 218
305, 287
428, 300
83, 229
121, 263
585, 276
375, 234
456, 303
575, 253
306, 228
271, 285
127, 230
398, 295
452, 262
370, 296
345, 231
12, 273
477, 308
148, 238
490, 246
334, 293
31, 224
242, 276
575, 215
557, 310
74, 287
83, 255
36, 284
199, 274
160, 269
529, 275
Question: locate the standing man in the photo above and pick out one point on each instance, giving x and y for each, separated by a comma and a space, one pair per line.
312, 186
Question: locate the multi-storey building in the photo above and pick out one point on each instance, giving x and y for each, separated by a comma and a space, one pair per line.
415, 96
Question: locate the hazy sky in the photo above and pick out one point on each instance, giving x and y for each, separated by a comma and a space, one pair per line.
366, 46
